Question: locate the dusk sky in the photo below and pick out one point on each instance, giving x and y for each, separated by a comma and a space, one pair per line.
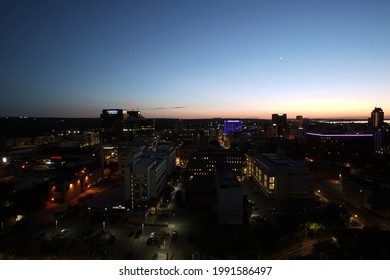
195, 59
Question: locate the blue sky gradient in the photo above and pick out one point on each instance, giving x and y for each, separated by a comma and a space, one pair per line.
208, 58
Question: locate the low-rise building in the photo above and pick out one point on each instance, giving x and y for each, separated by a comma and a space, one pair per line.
279, 177
68, 186
367, 193
328, 170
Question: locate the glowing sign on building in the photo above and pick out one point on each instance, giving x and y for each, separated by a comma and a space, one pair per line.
112, 112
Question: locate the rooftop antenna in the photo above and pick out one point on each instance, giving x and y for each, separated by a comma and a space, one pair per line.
131, 106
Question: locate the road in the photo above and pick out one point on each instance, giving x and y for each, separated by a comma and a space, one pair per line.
299, 249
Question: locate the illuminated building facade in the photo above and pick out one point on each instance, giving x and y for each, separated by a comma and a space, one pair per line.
205, 163
65, 188
144, 180
232, 126
279, 177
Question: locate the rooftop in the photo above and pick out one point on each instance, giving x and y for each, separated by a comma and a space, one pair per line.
276, 162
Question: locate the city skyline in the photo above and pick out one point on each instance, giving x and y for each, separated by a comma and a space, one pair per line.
195, 59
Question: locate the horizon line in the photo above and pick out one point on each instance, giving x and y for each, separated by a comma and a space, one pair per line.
197, 118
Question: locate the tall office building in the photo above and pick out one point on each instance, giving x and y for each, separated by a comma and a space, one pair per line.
232, 126
119, 128
280, 119
111, 127
135, 125
117, 125
299, 120
377, 118
279, 122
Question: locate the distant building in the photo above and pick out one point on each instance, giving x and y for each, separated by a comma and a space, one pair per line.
119, 126
180, 125
279, 122
280, 119
377, 119
342, 147
299, 120
183, 153
279, 177
232, 126
111, 128
135, 125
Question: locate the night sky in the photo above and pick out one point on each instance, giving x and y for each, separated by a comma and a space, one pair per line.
195, 59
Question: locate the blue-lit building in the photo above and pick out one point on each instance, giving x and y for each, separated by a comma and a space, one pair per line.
232, 126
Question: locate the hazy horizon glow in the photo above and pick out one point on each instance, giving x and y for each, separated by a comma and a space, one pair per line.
195, 59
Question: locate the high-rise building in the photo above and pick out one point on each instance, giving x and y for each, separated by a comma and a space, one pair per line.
144, 179
377, 118
232, 126
279, 119
111, 127
279, 122
118, 125
135, 125
299, 120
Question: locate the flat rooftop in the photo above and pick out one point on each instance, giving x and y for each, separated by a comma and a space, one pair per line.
276, 162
